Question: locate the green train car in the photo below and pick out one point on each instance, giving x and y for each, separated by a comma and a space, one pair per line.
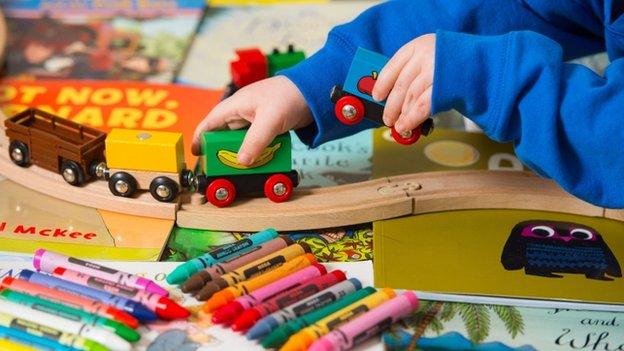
222, 179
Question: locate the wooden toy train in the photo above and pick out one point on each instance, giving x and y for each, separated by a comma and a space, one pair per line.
133, 160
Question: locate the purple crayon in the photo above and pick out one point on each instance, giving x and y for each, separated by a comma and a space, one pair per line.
367, 325
48, 261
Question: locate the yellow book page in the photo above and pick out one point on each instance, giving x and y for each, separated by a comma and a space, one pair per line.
461, 252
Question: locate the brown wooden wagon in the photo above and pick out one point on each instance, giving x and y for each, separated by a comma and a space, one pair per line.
56, 144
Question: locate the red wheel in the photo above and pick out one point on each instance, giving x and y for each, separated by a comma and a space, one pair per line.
413, 136
220, 192
278, 188
349, 110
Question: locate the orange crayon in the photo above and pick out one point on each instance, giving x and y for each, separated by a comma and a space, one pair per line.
243, 288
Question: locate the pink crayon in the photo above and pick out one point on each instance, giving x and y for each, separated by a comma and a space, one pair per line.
367, 325
233, 309
48, 261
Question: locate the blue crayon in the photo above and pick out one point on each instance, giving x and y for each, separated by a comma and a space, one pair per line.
33, 341
138, 310
321, 299
185, 270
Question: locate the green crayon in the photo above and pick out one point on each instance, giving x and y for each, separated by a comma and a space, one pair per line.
280, 335
74, 314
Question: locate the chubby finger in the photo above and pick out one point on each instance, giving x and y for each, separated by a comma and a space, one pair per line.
260, 134
416, 89
417, 113
397, 95
217, 119
389, 74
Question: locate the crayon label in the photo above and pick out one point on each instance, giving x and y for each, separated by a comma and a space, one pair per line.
91, 265
372, 331
254, 249
112, 288
230, 249
264, 267
312, 305
349, 315
302, 293
35, 329
55, 312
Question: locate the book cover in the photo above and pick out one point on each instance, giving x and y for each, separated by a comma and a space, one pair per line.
29, 220
443, 150
225, 29
528, 258
114, 104
126, 40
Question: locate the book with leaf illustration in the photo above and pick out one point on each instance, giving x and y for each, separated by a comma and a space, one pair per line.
513, 257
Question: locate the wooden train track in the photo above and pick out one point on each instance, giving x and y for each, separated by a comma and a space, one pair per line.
363, 202
389, 198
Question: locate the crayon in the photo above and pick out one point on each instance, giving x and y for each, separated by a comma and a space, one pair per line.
47, 261
185, 270
141, 312
201, 278
226, 295
253, 269
286, 298
367, 325
305, 337
229, 312
279, 336
55, 335
101, 336
67, 312
8, 345
164, 307
36, 342
321, 299
75, 301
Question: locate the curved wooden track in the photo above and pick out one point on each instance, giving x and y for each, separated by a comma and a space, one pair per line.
389, 198
327, 207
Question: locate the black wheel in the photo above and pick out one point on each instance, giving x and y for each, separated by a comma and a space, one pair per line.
19, 153
96, 169
164, 189
72, 173
122, 184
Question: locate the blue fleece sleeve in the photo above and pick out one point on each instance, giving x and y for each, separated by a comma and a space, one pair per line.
565, 120
386, 27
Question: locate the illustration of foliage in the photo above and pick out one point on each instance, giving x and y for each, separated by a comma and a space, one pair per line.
476, 318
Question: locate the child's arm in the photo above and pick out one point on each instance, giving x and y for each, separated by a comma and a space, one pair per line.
565, 120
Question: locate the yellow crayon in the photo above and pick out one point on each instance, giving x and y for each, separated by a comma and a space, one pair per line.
243, 288
6, 345
305, 337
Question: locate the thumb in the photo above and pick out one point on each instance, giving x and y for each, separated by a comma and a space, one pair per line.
260, 134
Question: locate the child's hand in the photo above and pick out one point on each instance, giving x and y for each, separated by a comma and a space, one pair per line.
406, 82
273, 106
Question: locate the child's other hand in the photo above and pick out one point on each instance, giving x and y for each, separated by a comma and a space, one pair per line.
406, 83
272, 106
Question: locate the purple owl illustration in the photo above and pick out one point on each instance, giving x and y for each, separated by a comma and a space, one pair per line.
544, 248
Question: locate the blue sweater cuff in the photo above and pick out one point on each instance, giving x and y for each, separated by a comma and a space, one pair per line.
315, 77
469, 77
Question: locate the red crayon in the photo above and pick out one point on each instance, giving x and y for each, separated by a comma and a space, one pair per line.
164, 307
286, 298
67, 299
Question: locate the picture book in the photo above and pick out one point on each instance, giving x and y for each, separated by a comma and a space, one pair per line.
114, 104
225, 29
443, 150
198, 333
525, 258
29, 220
439, 325
125, 40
